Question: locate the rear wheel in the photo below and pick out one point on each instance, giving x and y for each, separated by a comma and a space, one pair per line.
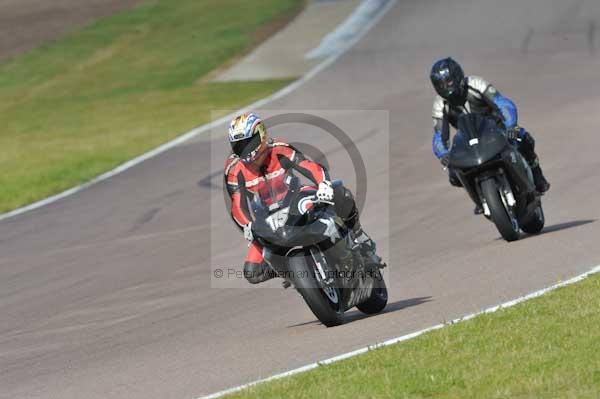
324, 301
506, 223
536, 223
379, 296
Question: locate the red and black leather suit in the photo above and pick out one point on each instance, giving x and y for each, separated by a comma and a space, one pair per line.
266, 179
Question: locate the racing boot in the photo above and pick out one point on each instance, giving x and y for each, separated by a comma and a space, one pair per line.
527, 148
478, 210
541, 184
347, 210
257, 273
367, 246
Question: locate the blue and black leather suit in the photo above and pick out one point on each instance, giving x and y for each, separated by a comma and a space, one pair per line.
481, 97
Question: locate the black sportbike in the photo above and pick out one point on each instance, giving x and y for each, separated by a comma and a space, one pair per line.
308, 245
496, 176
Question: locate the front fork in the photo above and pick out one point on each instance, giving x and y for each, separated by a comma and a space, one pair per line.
506, 192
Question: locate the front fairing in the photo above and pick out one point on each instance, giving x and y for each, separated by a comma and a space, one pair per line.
478, 141
315, 231
296, 223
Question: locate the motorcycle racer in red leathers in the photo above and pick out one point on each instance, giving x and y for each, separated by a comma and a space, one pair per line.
255, 169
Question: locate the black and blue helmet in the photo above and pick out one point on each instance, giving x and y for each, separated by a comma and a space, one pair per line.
448, 79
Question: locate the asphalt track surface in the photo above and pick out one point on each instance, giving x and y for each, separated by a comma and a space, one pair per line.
107, 293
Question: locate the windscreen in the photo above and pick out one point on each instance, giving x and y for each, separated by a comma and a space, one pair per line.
473, 125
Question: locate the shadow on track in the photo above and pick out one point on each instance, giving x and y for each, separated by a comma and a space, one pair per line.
354, 315
561, 226
554, 228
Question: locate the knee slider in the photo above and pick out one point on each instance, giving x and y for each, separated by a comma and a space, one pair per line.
454, 181
257, 273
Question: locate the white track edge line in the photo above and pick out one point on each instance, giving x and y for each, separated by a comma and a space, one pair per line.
347, 29
206, 127
406, 337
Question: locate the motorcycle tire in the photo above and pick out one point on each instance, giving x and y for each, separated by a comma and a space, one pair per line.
507, 226
302, 272
379, 296
536, 224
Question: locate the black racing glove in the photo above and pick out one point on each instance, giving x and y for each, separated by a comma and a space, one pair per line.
445, 160
513, 133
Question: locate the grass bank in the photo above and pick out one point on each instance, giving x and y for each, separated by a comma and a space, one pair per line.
79, 106
548, 347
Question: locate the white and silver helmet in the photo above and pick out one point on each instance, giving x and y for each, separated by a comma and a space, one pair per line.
248, 137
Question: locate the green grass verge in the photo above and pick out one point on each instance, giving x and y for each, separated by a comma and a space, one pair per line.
548, 347
81, 105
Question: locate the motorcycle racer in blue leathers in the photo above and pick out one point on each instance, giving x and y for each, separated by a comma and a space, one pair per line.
459, 94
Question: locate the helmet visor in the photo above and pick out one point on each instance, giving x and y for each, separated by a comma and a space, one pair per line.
447, 87
246, 147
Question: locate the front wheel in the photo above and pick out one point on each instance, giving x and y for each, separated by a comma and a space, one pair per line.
379, 296
324, 302
507, 224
